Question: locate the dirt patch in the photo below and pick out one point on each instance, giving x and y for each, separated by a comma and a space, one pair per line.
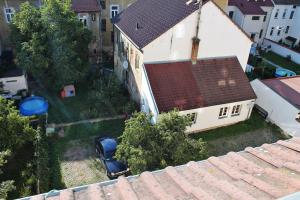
223, 145
80, 165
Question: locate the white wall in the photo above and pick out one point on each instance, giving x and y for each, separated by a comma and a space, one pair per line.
253, 26
219, 37
280, 22
280, 111
13, 84
208, 117
238, 16
283, 51
295, 31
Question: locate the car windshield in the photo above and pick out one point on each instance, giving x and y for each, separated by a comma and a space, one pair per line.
109, 155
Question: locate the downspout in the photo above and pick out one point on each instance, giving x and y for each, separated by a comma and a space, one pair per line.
195, 39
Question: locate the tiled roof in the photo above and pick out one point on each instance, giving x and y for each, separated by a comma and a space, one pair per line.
85, 6
251, 7
153, 17
287, 2
267, 172
207, 83
288, 88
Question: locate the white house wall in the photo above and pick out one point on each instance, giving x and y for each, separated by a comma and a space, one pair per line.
280, 22
208, 117
14, 84
295, 31
280, 111
219, 37
253, 26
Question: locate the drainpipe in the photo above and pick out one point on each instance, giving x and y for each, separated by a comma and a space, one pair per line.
195, 39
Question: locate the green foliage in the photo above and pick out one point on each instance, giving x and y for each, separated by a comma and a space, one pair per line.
5, 186
107, 96
42, 161
145, 146
14, 129
51, 43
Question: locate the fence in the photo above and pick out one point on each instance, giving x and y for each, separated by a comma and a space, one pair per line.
282, 50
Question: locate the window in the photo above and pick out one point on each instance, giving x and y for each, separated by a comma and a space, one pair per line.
193, 117
255, 17
137, 60
292, 14
102, 3
276, 14
284, 13
265, 17
236, 110
252, 36
298, 117
9, 14
278, 32
223, 112
272, 30
103, 25
93, 16
112, 36
287, 29
260, 33
114, 10
83, 20
231, 14
294, 6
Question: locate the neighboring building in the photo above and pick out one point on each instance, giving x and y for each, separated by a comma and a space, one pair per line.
252, 16
7, 10
267, 172
109, 10
162, 31
284, 23
89, 13
280, 99
13, 81
215, 92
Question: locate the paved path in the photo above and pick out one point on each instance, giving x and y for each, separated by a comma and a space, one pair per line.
85, 121
272, 63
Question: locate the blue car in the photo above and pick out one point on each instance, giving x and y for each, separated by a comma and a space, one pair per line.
105, 149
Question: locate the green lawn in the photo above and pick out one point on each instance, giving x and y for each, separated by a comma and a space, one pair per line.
78, 141
253, 132
279, 60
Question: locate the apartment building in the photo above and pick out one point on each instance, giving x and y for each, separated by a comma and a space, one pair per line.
252, 16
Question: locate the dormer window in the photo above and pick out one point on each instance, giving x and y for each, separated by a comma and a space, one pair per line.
9, 14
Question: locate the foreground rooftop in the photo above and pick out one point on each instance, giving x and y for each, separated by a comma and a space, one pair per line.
267, 172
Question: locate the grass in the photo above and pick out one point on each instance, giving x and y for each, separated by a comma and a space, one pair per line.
279, 60
84, 134
253, 132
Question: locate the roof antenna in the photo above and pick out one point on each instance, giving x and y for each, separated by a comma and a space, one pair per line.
196, 40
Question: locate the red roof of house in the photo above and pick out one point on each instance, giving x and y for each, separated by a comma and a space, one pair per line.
267, 172
85, 6
288, 88
207, 83
251, 7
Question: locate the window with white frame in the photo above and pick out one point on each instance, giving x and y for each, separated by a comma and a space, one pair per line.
236, 110
193, 117
276, 14
223, 112
9, 14
83, 20
284, 13
287, 29
114, 10
298, 117
292, 14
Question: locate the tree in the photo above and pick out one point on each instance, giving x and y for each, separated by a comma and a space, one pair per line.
15, 130
5, 186
51, 43
145, 146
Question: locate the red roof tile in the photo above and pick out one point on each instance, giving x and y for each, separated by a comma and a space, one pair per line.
251, 7
267, 172
85, 6
209, 82
288, 88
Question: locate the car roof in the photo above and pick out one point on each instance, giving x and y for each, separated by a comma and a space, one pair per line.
108, 144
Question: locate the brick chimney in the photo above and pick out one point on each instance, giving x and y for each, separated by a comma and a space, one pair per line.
195, 49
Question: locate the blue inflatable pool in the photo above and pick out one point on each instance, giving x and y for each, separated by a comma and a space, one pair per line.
280, 72
33, 106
